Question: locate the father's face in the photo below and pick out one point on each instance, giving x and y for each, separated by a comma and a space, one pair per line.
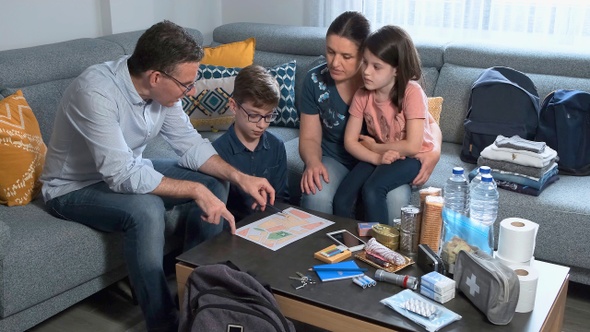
176, 84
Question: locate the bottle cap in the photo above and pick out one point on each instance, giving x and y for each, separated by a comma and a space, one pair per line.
457, 170
485, 170
486, 178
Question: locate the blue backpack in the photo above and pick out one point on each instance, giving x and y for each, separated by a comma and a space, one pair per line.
564, 124
503, 101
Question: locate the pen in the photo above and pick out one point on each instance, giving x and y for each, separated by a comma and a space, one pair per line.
274, 208
279, 211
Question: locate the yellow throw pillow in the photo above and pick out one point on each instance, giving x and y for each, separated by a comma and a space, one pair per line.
237, 54
435, 108
22, 151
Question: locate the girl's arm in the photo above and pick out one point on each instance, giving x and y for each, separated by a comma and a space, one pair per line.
354, 146
407, 147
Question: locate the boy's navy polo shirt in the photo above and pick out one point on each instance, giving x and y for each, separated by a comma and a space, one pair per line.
268, 160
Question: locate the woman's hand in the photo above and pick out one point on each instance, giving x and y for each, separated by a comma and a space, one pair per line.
310, 179
429, 160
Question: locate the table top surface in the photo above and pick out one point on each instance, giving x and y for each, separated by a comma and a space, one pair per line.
344, 296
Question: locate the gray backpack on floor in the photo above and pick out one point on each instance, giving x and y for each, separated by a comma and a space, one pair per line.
220, 297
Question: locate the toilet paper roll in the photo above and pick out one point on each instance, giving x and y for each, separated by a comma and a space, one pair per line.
516, 241
510, 263
528, 278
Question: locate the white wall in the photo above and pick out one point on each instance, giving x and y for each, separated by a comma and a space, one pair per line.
290, 12
35, 22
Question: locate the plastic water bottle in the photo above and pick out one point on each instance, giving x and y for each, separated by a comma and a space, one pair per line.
456, 192
483, 205
477, 179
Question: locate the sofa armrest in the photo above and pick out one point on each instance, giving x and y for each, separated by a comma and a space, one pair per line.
4, 238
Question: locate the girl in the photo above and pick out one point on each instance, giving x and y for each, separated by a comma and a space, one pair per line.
394, 108
326, 95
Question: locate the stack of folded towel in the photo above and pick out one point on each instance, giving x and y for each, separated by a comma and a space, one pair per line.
520, 165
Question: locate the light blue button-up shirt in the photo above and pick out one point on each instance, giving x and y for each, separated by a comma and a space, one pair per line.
101, 129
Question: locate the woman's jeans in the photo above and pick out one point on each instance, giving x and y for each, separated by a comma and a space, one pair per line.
141, 217
323, 200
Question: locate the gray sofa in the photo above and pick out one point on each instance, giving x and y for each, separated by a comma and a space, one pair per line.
47, 264
562, 210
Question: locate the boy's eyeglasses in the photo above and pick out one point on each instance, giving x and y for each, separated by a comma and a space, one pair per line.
187, 88
255, 118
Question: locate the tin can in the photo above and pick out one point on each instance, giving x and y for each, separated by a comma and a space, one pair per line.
411, 219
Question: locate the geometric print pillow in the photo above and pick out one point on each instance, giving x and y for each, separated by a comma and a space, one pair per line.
285, 76
208, 109
22, 151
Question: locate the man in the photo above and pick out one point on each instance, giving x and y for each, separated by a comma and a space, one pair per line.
95, 173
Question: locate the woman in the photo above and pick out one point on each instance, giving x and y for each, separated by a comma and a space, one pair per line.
327, 93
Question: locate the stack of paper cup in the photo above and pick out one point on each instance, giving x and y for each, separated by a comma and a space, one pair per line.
516, 241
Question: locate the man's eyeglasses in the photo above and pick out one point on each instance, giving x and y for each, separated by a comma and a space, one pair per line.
255, 118
187, 88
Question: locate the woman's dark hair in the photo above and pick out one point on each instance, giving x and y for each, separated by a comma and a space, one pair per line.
351, 25
163, 46
394, 46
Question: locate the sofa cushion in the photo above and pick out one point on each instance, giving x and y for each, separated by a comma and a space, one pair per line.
285, 76
236, 54
56, 255
22, 150
128, 40
275, 38
435, 107
209, 109
34, 65
43, 99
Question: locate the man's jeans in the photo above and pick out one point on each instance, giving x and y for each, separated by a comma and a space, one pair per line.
141, 218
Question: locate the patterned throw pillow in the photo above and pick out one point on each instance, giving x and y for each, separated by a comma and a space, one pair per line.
435, 107
285, 75
22, 150
208, 109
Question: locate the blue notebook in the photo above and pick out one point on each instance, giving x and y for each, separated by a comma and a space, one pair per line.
338, 271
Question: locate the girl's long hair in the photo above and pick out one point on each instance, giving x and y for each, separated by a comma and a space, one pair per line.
394, 46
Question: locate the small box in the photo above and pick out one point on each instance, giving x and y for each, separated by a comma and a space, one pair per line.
333, 254
438, 297
364, 228
437, 282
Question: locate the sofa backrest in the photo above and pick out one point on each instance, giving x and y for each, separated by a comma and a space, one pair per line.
463, 63
43, 72
277, 44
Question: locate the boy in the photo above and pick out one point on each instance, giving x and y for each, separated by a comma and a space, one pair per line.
246, 145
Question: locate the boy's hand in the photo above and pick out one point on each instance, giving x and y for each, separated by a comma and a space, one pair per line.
259, 188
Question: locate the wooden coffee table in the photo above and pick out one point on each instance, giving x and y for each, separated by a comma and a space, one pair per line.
342, 305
